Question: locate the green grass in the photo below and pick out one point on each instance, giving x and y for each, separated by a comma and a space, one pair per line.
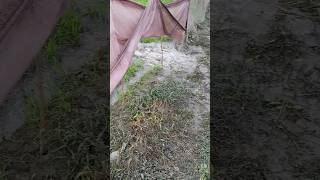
133, 69
166, 93
158, 99
150, 113
144, 2
51, 50
143, 81
204, 172
67, 33
69, 29
155, 39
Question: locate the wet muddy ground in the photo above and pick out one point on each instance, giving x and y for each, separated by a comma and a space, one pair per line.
265, 94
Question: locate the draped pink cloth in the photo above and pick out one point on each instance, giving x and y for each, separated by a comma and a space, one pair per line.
129, 22
24, 27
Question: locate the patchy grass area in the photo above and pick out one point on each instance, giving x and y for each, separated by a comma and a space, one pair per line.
196, 76
67, 34
69, 29
145, 2
147, 126
155, 39
152, 131
74, 142
204, 170
151, 73
133, 69
168, 93
160, 125
51, 50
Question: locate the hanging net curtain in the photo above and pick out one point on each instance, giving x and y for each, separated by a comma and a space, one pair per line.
25, 26
130, 21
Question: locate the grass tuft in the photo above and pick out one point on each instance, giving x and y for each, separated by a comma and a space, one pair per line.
204, 172
51, 51
69, 29
156, 100
150, 114
142, 97
133, 69
67, 34
145, 2
170, 91
155, 39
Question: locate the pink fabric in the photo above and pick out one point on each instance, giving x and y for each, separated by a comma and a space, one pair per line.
24, 27
129, 22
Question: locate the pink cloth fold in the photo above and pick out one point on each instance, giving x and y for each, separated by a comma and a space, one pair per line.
24, 27
129, 22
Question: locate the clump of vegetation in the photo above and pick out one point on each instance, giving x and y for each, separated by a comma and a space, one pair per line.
144, 79
69, 29
51, 50
149, 114
204, 171
133, 69
155, 39
67, 34
196, 76
145, 2
157, 101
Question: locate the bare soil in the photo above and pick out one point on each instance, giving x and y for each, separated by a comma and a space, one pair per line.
265, 93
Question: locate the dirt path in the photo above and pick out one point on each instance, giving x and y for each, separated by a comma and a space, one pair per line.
266, 89
176, 146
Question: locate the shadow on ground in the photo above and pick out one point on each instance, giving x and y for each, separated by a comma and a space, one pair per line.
265, 94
